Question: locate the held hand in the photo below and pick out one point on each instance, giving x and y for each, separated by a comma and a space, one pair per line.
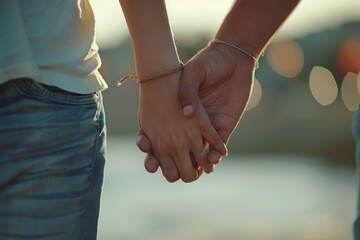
176, 142
220, 79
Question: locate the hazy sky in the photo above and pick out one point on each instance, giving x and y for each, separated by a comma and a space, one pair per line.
189, 16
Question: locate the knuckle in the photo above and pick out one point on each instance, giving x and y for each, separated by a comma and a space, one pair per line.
151, 164
171, 175
188, 177
216, 142
143, 146
205, 165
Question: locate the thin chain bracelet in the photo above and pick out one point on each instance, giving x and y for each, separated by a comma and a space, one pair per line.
150, 77
215, 40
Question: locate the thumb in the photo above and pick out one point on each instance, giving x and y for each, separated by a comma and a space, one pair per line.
188, 94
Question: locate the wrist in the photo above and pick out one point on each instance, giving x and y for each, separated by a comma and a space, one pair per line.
237, 48
159, 90
238, 57
151, 35
248, 42
143, 79
150, 62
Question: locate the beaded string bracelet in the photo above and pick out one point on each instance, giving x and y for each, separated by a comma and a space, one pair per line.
150, 77
180, 68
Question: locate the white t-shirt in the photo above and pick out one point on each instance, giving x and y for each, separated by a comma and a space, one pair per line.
52, 42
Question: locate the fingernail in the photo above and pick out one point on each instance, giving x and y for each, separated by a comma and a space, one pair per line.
187, 109
215, 158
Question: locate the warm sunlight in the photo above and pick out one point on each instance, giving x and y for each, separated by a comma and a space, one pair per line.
205, 16
256, 95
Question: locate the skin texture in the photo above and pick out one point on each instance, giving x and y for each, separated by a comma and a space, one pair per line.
220, 78
173, 137
224, 103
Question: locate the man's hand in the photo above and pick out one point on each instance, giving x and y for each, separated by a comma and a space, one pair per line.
221, 79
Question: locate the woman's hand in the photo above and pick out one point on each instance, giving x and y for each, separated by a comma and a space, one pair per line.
179, 144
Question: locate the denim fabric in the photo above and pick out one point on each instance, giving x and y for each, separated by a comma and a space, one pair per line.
52, 156
356, 131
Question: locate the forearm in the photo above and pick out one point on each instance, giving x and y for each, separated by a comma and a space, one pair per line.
251, 24
152, 38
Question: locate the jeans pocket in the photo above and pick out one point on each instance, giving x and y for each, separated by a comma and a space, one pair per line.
31, 88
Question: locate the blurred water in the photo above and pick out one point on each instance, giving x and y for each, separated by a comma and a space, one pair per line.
249, 197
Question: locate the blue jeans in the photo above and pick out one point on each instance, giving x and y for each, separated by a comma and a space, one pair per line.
52, 155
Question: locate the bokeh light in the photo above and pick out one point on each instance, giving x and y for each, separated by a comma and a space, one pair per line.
316, 143
323, 85
286, 58
349, 91
255, 95
348, 57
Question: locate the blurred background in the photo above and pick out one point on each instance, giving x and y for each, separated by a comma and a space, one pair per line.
291, 169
